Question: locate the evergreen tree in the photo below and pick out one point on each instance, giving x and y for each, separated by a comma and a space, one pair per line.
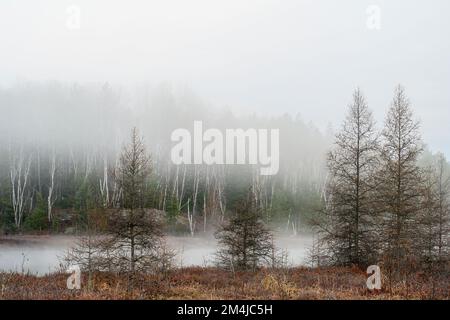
38, 219
245, 242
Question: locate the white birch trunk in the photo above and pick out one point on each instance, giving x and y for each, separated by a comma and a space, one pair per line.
50, 198
19, 173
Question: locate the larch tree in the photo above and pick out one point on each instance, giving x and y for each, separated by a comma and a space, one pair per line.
400, 188
347, 228
135, 242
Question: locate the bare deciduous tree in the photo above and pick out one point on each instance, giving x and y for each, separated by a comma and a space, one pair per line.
104, 184
434, 216
401, 182
443, 200
348, 228
135, 239
88, 253
192, 215
19, 175
51, 188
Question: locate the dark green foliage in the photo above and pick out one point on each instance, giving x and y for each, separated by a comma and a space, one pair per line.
297, 210
38, 219
245, 242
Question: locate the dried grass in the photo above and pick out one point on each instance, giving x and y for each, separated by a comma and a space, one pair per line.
212, 283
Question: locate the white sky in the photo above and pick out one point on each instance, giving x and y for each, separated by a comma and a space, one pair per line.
264, 56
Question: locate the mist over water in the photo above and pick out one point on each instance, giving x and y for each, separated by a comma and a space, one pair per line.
69, 98
41, 254
32, 254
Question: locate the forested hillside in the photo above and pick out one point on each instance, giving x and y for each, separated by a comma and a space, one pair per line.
60, 148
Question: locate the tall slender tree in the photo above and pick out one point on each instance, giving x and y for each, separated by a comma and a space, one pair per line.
19, 174
401, 182
135, 242
348, 227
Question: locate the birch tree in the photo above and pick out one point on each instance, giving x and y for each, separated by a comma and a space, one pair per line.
192, 214
443, 208
51, 188
104, 184
434, 217
19, 175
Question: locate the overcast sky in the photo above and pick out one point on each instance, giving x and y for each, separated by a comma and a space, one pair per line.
264, 56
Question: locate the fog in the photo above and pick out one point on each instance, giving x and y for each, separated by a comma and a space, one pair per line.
251, 56
76, 76
96, 120
42, 255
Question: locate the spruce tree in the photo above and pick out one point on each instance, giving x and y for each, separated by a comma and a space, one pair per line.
245, 242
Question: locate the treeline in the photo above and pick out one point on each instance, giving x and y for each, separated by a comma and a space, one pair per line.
385, 204
60, 147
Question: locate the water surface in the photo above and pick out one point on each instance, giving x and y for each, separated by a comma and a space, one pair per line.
41, 254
